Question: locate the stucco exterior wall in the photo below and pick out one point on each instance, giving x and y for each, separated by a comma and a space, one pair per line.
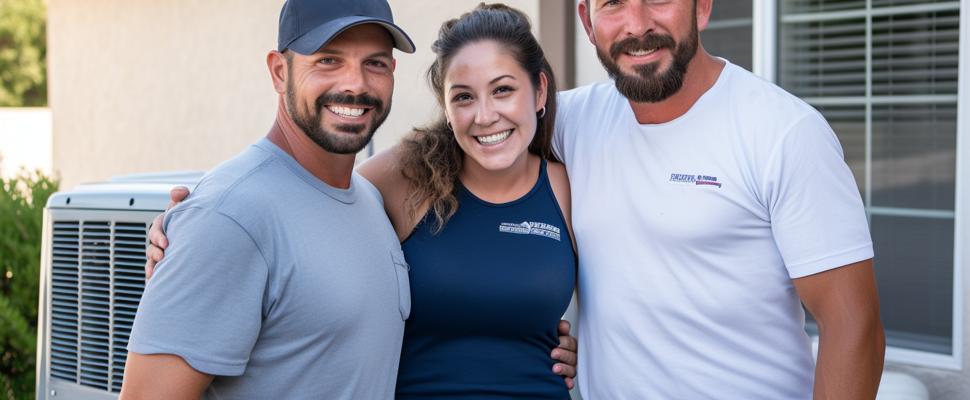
147, 86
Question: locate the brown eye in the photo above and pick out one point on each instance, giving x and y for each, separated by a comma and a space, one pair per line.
377, 64
504, 89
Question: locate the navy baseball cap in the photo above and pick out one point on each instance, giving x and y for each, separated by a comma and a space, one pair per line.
308, 25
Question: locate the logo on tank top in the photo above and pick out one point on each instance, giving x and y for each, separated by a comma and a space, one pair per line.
696, 180
531, 228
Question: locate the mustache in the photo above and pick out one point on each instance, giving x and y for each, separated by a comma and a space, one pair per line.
349, 100
647, 41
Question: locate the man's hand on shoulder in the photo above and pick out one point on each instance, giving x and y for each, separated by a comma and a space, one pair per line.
156, 234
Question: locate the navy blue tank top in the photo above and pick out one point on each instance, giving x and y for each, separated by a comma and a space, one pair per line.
487, 293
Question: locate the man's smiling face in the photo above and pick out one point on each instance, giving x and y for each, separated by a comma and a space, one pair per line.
645, 45
341, 94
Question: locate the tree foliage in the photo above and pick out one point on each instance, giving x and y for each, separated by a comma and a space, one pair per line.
23, 53
22, 201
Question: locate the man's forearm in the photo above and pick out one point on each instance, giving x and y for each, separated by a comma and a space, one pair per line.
850, 361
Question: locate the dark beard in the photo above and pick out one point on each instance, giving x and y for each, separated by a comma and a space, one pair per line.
646, 86
310, 122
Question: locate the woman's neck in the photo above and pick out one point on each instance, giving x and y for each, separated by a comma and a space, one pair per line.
501, 186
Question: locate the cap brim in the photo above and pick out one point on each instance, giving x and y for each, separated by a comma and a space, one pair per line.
315, 39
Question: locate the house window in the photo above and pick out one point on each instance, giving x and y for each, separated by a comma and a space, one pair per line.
884, 74
728, 32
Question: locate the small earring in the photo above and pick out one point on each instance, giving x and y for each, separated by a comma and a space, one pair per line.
542, 112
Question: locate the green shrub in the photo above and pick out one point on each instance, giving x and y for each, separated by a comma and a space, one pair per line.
22, 201
23, 51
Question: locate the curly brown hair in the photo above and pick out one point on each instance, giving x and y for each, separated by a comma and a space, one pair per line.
431, 158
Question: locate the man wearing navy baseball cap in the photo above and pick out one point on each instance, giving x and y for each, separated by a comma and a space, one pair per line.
283, 277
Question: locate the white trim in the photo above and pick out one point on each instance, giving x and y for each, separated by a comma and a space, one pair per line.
910, 357
882, 100
764, 38
961, 221
867, 181
912, 212
924, 358
729, 23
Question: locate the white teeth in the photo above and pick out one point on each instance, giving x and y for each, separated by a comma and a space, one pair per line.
346, 111
496, 138
640, 53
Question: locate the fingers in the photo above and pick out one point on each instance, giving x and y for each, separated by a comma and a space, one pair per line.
177, 194
565, 371
564, 356
153, 255
570, 383
566, 341
563, 327
159, 242
149, 269
156, 235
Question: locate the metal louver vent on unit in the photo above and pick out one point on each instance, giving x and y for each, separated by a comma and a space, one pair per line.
95, 303
128, 284
64, 300
96, 284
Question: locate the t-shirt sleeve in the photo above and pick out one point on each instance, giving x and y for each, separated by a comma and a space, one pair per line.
204, 302
559, 133
817, 216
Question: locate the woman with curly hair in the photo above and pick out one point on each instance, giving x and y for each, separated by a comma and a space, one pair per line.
482, 211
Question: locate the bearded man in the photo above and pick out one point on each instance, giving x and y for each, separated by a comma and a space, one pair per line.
283, 282
708, 205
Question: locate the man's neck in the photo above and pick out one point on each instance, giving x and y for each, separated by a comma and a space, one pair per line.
702, 73
334, 169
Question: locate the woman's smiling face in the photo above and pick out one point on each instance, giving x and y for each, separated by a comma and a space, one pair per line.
491, 104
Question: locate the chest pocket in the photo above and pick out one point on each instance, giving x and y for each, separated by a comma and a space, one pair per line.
402, 271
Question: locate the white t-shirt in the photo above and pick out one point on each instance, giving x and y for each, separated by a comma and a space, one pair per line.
690, 233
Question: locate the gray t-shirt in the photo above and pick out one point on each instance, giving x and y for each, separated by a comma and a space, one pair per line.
279, 285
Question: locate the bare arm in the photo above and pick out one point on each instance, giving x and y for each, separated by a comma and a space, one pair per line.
162, 377
852, 344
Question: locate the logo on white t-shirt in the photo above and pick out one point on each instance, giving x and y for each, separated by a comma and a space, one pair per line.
696, 180
531, 228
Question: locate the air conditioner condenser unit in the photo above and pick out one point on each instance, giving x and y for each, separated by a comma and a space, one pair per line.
92, 278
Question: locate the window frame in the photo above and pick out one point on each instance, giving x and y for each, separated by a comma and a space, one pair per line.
766, 41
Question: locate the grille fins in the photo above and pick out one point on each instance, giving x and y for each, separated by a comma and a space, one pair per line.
97, 280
